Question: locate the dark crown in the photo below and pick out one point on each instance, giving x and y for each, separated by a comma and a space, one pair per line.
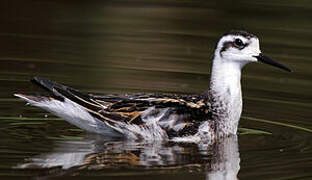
240, 33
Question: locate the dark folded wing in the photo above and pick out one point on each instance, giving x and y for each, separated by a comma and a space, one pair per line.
177, 114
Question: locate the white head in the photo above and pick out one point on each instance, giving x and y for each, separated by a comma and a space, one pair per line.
242, 47
233, 51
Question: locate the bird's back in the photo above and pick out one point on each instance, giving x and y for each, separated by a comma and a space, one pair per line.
175, 115
178, 115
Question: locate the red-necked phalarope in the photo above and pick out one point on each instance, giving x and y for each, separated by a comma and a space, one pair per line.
215, 113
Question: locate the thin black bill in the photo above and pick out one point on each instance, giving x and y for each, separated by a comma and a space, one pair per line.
264, 59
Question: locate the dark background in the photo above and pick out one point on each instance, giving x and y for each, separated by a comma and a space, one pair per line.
158, 46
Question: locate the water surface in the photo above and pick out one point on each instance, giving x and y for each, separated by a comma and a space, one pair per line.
153, 46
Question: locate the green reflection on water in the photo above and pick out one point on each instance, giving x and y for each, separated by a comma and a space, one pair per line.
158, 46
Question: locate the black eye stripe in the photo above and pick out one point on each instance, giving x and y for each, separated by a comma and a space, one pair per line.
227, 44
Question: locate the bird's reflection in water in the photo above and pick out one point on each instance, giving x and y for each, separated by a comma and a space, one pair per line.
218, 161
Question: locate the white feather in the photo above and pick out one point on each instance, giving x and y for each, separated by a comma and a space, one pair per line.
74, 114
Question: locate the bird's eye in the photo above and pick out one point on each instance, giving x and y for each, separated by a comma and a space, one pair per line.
239, 43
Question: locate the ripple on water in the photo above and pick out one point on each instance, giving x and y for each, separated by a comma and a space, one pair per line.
262, 155
117, 47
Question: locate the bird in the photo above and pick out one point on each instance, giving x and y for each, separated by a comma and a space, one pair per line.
175, 117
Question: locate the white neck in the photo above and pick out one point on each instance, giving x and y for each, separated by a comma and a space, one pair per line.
225, 93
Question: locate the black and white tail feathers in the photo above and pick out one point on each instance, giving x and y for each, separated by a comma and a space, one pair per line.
71, 105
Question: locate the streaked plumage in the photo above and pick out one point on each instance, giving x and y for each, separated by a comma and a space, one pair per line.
177, 115
163, 116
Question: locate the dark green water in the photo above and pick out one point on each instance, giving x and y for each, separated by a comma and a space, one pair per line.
153, 46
